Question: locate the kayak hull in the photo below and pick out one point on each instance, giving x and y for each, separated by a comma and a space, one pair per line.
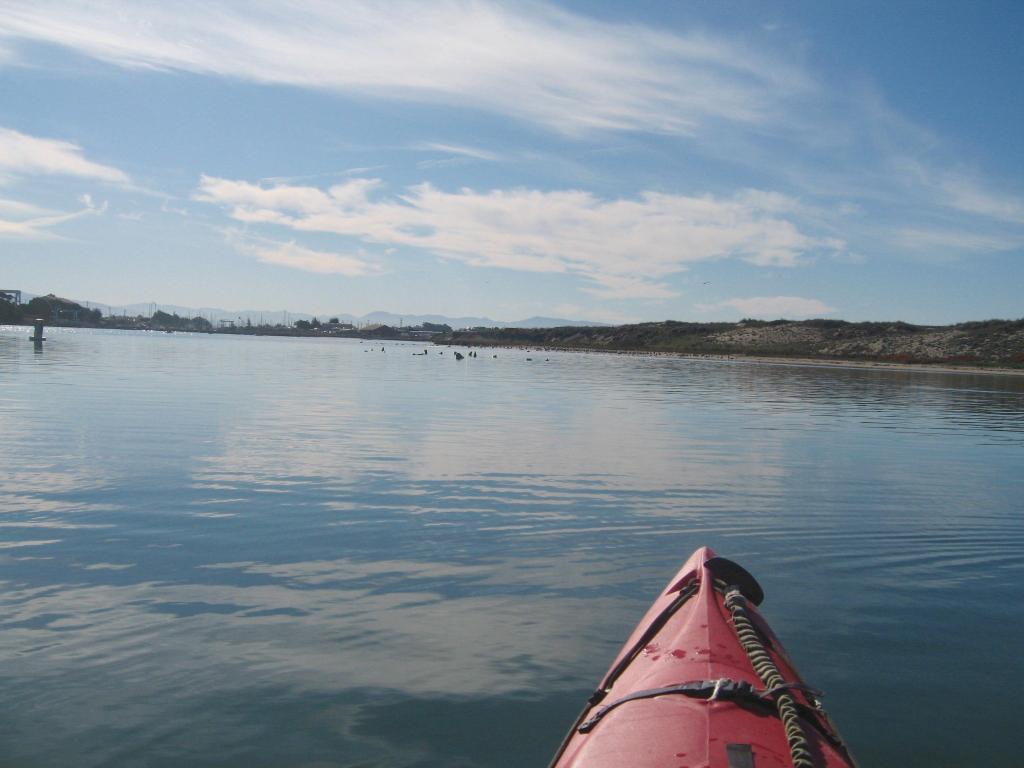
687, 640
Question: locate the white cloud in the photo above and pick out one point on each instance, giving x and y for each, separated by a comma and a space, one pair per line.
623, 246
22, 154
359, 171
248, 199
298, 257
772, 307
625, 287
531, 61
32, 223
571, 74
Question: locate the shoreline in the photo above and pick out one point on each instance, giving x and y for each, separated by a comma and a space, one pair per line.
831, 362
878, 365
807, 362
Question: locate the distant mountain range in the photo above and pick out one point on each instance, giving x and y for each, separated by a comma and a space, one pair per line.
213, 314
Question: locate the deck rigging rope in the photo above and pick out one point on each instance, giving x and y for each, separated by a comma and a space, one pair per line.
764, 665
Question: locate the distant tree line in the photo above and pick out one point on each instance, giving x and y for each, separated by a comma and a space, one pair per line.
174, 322
10, 313
55, 310
987, 342
50, 308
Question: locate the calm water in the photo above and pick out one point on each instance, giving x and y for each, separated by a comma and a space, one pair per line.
223, 551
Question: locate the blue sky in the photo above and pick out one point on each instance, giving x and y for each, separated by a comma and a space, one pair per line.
599, 160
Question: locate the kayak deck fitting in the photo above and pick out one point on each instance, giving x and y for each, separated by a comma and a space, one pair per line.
703, 683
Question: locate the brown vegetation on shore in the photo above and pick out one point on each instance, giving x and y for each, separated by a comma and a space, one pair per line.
997, 343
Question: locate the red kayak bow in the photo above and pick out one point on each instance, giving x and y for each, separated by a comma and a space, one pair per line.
703, 683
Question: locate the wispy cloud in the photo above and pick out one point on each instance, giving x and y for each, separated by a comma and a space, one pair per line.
530, 61
623, 246
971, 196
295, 256
956, 241
32, 223
21, 154
960, 189
772, 307
855, 169
18, 208
627, 287
462, 151
360, 171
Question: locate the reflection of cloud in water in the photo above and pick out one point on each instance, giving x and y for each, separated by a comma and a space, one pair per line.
511, 461
108, 566
47, 489
28, 543
330, 551
327, 629
321, 572
436, 482
293, 629
56, 525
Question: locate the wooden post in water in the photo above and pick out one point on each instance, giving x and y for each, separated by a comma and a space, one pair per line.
37, 338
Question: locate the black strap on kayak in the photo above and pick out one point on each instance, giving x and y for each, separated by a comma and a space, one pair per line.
776, 694
712, 690
652, 630
685, 593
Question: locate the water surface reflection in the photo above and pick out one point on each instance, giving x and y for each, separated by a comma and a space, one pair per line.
230, 551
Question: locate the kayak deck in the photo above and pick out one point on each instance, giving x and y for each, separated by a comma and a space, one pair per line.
684, 693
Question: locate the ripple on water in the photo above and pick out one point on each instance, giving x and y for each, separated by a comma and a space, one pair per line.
225, 550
